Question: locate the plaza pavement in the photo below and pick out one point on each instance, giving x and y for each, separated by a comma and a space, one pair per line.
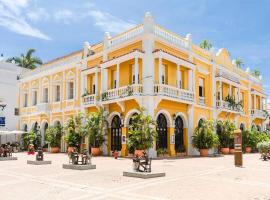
191, 178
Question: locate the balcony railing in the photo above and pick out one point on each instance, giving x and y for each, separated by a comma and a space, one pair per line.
89, 99
174, 92
43, 107
122, 92
255, 113
202, 101
226, 106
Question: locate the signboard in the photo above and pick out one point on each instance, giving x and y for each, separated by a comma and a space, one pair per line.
238, 157
2, 121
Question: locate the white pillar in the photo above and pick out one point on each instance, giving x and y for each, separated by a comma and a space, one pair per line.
178, 74
136, 70
190, 80
230, 90
190, 129
160, 69
117, 74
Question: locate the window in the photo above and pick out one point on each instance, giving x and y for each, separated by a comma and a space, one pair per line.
57, 93
163, 74
34, 97
45, 95
133, 74
71, 90
25, 100
94, 88
114, 79
201, 87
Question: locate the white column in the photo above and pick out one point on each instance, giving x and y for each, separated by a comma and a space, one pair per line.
178, 74
117, 74
104, 79
160, 69
136, 70
96, 83
190, 79
190, 129
230, 90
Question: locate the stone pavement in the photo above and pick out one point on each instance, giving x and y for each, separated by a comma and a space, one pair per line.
192, 178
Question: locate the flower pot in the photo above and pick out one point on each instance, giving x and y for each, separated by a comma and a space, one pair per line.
45, 149
95, 151
225, 150
231, 151
181, 154
138, 153
70, 149
203, 152
55, 149
248, 149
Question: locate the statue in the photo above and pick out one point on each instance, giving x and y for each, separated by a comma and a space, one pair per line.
40, 155
142, 163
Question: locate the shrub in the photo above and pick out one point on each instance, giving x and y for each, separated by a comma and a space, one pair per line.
263, 147
53, 135
29, 138
204, 136
225, 133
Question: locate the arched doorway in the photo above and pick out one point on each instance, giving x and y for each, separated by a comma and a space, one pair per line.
24, 128
116, 133
179, 134
161, 132
43, 131
242, 127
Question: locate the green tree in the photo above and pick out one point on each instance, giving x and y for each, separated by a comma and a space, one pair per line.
256, 73
53, 135
27, 61
239, 63
205, 44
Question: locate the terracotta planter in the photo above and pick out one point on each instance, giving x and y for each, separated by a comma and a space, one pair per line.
203, 152
248, 149
70, 149
55, 149
225, 150
231, 151
138, 153
95, 151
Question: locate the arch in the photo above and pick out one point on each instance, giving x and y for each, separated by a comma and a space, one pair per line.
167, 116
34, 125
45, 81
56, 78
242, 126
116, 133
24, 127
70, 75
129, 115
111, 115
184, 118
44, 126
179, 134
200, 121
162, 131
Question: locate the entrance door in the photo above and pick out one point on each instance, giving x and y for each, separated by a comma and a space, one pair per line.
162, 132
116, 134
179, 134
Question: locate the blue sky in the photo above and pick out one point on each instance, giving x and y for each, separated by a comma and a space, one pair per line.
55, 28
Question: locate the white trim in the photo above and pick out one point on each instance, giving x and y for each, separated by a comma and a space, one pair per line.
184, 118
111, 115
129, 114
167, 115
202, 71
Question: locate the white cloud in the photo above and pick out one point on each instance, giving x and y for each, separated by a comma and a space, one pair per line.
38, 14
12, 17
65, 15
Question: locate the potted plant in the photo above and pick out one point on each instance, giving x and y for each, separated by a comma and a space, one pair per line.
142, 133
45, 147
53, 137
74, 133
181, 151
225, 135
204, 137
264, 149
96, 128
247, 139
29, 139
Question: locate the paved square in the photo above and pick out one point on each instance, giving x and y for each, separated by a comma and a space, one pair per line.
193, 178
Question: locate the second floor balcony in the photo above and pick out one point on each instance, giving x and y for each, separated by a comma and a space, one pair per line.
226, 106
175, 93
261, 114
43, 107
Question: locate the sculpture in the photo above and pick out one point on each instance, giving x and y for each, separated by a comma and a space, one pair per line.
40, 155
142, 163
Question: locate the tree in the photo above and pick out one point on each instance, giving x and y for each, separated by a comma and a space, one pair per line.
27, 61
256, 73
239, 63
205, 44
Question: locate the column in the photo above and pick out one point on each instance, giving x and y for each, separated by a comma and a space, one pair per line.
178, 75
230, 90
136, 70
190, 149
124, 149
96, 83
104, 79
190, 80
171, 141
117, 74
160, 69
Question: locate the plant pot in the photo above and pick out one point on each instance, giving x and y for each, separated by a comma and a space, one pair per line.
55, 149
231, 151
95, 151
203, 152
225, 150
248, 149
83, 146
45, 149
70, 149
181, 154
138, 153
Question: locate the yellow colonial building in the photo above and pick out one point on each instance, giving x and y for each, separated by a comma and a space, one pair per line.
176, 81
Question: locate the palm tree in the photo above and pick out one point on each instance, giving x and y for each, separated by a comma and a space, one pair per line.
27, 61
256, 73
205, 44
239, 62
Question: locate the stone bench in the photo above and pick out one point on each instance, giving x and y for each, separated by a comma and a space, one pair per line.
8, 158
79, 167
35, 162
144, 175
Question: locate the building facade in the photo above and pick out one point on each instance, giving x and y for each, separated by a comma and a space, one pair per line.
177, 82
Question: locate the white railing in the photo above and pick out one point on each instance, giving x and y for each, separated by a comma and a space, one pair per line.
255, 113
170, 37
226, 106
174, 92
202, 101
89, 99
228, 76
126, 36
122, 92
43, 107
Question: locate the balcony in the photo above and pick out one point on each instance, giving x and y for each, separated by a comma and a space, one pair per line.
89, 100
175, 93
224, 105
122, 92
201, 101
255, 113
43, 107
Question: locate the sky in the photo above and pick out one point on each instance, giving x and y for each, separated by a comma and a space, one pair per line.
55, 28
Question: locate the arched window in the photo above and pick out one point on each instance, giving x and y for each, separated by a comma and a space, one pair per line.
116, 134
161, 132
179, 134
